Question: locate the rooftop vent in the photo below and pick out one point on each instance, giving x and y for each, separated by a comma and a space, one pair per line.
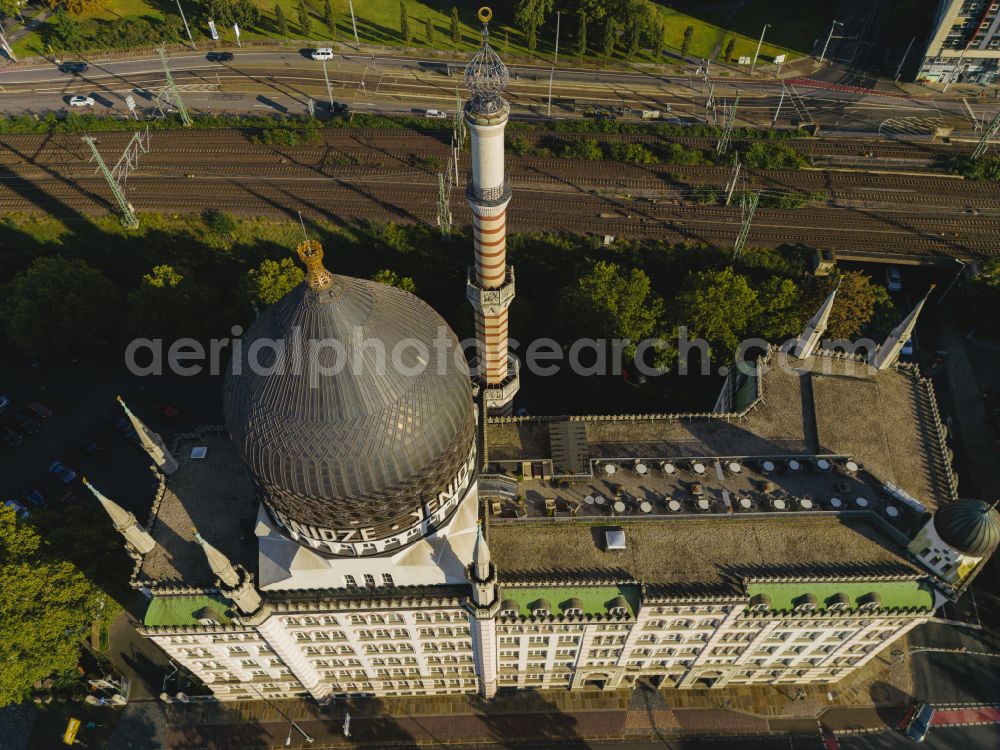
805, 603
614, 539
871, 600
760, 603
540, 608
838, 602
618, 606
572, 607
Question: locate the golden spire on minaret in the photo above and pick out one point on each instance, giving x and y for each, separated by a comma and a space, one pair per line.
311, 254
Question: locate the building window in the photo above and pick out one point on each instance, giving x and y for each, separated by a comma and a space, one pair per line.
350, 582
369, 580
387, 579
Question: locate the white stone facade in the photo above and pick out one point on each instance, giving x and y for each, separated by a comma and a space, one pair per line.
427, 648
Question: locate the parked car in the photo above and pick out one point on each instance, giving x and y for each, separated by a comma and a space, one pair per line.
91, 448
167, 410
894, 281
919, 721
219, 56
62, 472
4, 404
907, 350
18, 508
11, 437
39, 410
323, 53
341, 108
81, 101
35, 497
435, 114
25, 423
76, 68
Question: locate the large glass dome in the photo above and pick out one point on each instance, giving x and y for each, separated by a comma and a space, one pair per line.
362, 454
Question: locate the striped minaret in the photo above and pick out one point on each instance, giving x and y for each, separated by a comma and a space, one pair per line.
490, 286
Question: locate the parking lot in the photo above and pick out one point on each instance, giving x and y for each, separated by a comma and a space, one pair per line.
81, 396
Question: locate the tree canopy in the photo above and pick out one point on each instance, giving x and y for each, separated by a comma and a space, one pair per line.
391, 278
166, 305
272, 280
229, 12
46, 607
58, 306
611, 303
859, 302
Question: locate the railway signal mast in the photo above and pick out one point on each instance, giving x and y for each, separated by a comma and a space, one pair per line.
127, 212
748, 204
444, 211
991, 130
727, 134
168, 94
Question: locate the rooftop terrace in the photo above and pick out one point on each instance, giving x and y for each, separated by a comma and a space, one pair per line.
885, 421
213, 494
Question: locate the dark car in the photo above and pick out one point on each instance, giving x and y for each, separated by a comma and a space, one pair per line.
219, 56
918, 721
341, 108
75, 68
25, 423
40, 410
62, 472
123, 426
10, 437
91, 448
35, 497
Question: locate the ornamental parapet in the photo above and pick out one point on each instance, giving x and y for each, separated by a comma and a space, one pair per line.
490, 301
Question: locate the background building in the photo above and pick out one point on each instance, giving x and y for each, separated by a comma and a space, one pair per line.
964, 43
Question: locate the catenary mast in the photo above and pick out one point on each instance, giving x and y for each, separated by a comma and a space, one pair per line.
490, 286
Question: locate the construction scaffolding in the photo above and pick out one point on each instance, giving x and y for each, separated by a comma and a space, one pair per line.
168, 95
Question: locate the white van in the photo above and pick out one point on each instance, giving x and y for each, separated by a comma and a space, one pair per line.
323, 53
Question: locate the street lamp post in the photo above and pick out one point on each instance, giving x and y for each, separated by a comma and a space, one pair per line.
833, 25
759, 42
186, 27
555, 61
354, 22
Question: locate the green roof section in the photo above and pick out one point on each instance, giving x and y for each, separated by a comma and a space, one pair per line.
894, 594
595, 599
179, 611
746, 394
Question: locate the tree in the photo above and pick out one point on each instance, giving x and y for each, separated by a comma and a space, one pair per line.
686, 44
10, 8
305, 21
66, 30
608, 42
272, 280
429, 31
581, 36
58, 306
280, 21
76, 7
456, 29
859, 303
609, 303
779, 316
166, 305
404, 23
729, 49
659, 38
329, 19
717, 306
46, 606
391, 278
529, 15
229, 12
634, 38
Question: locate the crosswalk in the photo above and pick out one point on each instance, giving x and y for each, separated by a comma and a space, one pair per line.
910, 125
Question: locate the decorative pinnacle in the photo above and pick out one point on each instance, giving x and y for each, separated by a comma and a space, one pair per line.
311, 254
486, 76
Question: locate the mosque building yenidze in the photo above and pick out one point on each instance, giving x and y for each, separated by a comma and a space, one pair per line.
380, 532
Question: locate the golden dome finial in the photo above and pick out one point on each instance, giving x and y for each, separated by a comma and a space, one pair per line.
311, 254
